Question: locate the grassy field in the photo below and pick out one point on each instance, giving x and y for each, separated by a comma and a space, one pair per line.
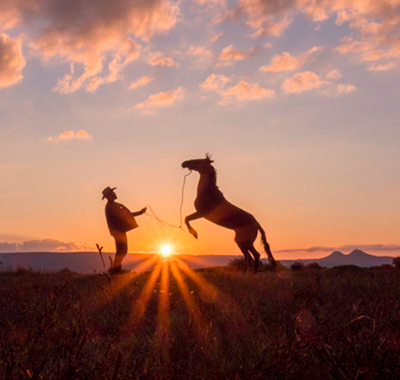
174, 323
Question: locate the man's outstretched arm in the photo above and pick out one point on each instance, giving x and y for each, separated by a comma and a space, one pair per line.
137, 213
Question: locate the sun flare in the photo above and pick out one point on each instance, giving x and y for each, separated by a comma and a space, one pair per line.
166, 250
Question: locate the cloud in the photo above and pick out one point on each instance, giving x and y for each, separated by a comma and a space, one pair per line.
70, 135
241, 92
346, 248
201, 56
375, 25
229, 55
382, 67
334, 74
287, 62
215, 82
159, 59
283, 62
162, 99
345, 88
265, 16
308, 80
140, 82
45, 245
245, 91
11, 61
303, 81
90, 34
217, 2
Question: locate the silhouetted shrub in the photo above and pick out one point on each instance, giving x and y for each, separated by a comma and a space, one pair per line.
347, 268
238, 264
314, 266
21, 269
396, 262
296, 266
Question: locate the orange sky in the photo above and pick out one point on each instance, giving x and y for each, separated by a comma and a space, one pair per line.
297, 101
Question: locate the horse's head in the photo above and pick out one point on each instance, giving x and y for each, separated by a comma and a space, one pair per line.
198, 165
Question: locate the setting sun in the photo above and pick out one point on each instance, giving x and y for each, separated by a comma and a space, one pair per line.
166, 250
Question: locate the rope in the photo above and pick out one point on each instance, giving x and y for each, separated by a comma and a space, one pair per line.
163, 222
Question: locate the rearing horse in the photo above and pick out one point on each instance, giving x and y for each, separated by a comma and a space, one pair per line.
212, 205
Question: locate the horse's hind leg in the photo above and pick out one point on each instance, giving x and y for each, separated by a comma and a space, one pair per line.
256, 256
246, 256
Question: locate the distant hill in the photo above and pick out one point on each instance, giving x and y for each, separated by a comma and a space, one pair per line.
90, 262
337, 258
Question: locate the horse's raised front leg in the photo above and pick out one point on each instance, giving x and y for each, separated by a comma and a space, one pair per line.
194, 216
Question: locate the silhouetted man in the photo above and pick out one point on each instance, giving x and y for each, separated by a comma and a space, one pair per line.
119, 220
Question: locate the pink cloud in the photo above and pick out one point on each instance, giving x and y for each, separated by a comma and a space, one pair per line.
229, 55
241, 92
283, 62
345, 88
91, 34
303, 81
45, 245
159, 59
11, 61
382, 67
215, 82
265, 16
218, 2
334, 74
70, 135
245, 91
308, 80
140, 82
287, 62
162, 99
375, 24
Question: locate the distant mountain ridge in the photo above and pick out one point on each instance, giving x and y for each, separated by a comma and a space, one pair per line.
336, 258
89, 262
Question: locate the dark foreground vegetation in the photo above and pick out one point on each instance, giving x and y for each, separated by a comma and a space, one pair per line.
341, 323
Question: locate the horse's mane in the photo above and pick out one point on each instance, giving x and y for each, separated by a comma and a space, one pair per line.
213, 176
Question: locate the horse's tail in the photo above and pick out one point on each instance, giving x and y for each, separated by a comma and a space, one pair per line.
266, 247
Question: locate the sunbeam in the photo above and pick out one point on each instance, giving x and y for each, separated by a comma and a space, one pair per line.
208, 292
162, 332
201, 328
118, 283
144, 297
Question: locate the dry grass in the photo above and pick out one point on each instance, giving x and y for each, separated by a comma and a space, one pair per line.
215, 324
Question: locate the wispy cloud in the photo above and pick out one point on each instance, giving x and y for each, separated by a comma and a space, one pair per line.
160, 59
201, 56
162, 99
241, 92
142, 81
345, 88
245, 91
45, 245
303, 81
288, 62
215, 82
382, 67
345, 248
90, 34
11, 61
375, 24
70, 135
229, 55
308, 80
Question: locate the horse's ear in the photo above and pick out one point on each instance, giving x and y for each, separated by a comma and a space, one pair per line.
208, 158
